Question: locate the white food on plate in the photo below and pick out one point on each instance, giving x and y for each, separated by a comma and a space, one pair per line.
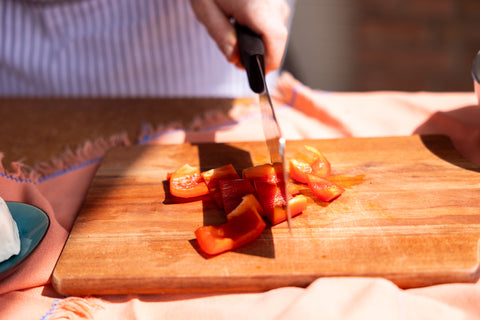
9, 237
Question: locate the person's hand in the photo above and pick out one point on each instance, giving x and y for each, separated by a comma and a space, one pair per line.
267, 18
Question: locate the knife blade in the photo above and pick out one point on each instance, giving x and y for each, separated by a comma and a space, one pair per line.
252, 51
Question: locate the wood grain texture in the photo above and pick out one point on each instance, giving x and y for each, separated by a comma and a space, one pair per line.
410, 213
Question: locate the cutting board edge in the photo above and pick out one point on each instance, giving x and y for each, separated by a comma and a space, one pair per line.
250, 283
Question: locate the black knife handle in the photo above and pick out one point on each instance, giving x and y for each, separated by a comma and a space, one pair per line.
250, 47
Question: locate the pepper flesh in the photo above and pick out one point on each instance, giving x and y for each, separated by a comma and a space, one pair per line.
273, 200
324, 189
232, 192
187, 182
212, 178
311, 162
244, 224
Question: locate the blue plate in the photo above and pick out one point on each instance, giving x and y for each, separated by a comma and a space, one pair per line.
32, 226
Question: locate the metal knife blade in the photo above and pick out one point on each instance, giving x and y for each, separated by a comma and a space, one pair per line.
252, 52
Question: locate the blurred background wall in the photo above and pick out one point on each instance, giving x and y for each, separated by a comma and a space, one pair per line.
363, 45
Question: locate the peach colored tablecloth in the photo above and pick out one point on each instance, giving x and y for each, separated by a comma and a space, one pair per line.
303, 113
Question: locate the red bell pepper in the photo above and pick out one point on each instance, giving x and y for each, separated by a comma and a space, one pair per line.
212, 178
264, 171
320, 165
296, 205
299, 169
311, 162
324, 189
232, 192
244, 224
273, 200
186, 182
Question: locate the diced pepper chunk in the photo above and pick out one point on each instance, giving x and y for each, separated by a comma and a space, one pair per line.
320, 166
324, 189
269, 195
248, 200
299, 169
232, 192
296, 205
187, 182
244, 224
311, 162
272, 199
212, 178
264, 171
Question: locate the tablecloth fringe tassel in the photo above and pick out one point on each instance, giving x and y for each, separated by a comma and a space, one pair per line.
69, 160
76, 308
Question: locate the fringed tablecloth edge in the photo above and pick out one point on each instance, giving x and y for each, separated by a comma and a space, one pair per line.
91, 151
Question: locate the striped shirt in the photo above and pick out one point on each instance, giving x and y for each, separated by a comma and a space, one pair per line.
111, 48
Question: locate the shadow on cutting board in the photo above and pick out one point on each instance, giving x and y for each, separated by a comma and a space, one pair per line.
442, 147
462, 127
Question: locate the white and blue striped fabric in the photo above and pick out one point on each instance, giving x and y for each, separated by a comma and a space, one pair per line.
111, 48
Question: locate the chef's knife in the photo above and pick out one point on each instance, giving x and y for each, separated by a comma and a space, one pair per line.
252, 52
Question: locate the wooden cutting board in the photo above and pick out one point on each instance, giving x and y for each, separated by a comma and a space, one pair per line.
410, 213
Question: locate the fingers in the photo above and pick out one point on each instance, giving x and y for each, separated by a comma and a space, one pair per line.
218, 26
268, 18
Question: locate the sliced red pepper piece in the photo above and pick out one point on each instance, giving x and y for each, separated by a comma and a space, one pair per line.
244, 224
248, 200
212, 178
324, 189
296, 205
273, 200
299, 169
320, 165
312, 162
269, 195
232, 192
186, 182
264, 171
